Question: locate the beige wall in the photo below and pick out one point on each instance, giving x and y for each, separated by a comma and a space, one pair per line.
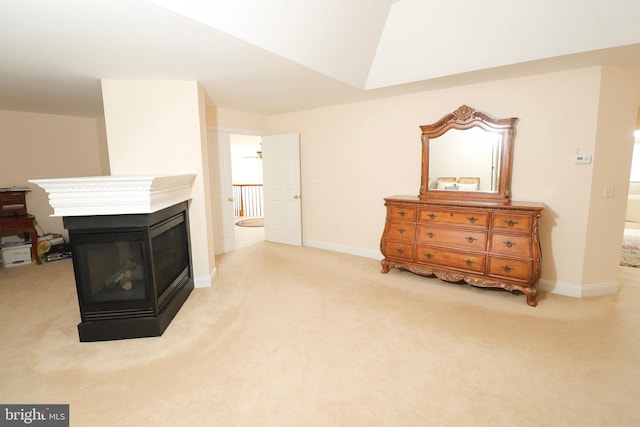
48, 146
103, 149
239, 121
611, 168
158, 128
362, 152
365, 151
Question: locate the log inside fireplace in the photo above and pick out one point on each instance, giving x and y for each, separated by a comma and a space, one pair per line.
133, 272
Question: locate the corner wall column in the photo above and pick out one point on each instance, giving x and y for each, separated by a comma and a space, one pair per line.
158, 128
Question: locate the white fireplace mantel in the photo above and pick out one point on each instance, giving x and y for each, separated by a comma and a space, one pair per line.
115, 195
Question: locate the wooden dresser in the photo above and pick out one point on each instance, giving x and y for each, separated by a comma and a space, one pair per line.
483, 244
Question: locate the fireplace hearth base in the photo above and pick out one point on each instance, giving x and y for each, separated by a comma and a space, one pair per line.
140, 327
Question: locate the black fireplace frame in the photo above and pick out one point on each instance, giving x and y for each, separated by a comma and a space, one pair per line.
138, 318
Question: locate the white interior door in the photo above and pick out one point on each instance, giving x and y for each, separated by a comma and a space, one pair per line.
281, 177
222, 191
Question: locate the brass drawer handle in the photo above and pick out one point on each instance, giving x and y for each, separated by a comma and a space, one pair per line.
401, 230
400, 250
472, 220
506, 268
511, 223
402, 213
470, 239
468, 262
432, 216
509, 244
428, 255
430, 234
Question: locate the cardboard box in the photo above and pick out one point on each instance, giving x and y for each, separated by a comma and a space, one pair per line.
16, 255
12, 238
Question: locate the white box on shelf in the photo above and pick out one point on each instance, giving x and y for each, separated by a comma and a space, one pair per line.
16, 255
12, 238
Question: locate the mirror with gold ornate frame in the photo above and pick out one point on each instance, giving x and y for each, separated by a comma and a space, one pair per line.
467, 155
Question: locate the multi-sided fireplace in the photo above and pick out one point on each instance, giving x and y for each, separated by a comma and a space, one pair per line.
133, 270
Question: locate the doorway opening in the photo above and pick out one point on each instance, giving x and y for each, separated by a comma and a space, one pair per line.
281, 186
631, 241
247, 181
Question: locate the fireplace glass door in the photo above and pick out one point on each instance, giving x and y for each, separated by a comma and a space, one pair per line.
112, 267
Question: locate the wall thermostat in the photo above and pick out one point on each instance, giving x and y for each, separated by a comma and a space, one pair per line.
582, 159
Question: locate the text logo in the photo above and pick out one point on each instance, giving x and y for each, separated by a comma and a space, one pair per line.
34, 415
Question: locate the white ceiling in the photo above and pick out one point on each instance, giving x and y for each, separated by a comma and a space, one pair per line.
275, 56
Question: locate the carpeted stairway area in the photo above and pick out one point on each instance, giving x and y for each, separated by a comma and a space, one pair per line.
291, 336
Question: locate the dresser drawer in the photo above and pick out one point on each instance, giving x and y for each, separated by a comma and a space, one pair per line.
404, 231
458, 239
401, 213
397, 250
476, 219
521, 223
510, 245
12, 204
447, 258
510, 268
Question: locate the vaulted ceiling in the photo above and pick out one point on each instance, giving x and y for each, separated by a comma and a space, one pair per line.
275, 56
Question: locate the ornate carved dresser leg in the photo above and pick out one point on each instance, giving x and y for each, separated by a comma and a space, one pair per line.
531, 293
385, 266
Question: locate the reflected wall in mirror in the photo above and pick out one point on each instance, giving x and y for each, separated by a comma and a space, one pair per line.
467, 155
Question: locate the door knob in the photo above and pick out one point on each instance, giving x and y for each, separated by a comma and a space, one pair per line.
296, 197
231, 199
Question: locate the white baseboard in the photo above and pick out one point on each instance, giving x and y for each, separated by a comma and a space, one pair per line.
205, 281
579, 291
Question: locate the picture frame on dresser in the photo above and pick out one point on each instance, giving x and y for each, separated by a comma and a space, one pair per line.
461, 233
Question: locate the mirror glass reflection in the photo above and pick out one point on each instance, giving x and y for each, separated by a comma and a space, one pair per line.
465, 160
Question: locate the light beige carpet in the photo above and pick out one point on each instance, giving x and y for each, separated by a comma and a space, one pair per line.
304, 337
